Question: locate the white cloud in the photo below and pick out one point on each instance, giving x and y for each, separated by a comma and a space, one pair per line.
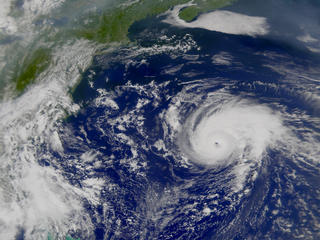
222, 21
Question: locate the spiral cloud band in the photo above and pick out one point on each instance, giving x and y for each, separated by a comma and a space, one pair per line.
232, 131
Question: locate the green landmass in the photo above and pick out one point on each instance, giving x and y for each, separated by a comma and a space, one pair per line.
190, 13
113, 25
31, 66
105, 26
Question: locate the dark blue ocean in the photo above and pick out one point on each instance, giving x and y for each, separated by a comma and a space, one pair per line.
152, 190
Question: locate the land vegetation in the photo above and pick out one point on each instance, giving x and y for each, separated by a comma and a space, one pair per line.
105, 27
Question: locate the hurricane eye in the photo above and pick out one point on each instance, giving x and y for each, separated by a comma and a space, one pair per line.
219, 139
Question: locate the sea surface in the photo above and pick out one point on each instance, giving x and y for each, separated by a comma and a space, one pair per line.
186, 132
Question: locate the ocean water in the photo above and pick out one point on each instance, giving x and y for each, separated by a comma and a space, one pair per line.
218, 141
186, 133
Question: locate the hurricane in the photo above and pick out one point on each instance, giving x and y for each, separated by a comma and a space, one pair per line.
166, 120
223, 132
